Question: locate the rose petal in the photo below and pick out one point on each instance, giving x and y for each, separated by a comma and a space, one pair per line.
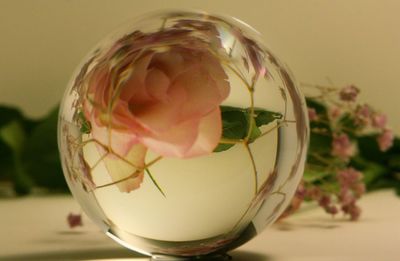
171, 63
218, 74
202, 93
210, 130
120, 142
175, 142
157, 84
119, 169
134, 90
162, 116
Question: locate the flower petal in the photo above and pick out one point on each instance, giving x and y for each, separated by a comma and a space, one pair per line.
175, 142
157, 84
210, 131
119, 169
120, 142
134, 90
201, 90
161, 116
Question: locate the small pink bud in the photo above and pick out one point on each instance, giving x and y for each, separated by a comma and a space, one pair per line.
335, 112
342, 147
74, 220
312, 114
379, 120
363, 114
349, 93
385, 140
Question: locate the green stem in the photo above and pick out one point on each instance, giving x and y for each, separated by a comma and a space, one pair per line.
155, 182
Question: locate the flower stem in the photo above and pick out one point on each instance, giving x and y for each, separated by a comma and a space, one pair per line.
253, 163
133, 175
155, 182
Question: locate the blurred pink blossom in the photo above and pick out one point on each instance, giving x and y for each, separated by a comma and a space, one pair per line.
379, 120
312, 114
349, 93
335, 112
353, 210
348, 177
359, 189
332, 209
363, 114
385, 140
346, 196
342, 147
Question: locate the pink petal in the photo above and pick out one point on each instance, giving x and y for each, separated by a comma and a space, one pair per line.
210, 131
134, 89
157, 84
162, 116
217, 73
120, 142
118, 169
175, 142
202, 92
171, 63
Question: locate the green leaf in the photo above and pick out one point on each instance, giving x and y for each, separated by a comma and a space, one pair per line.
8, 114
264, 117
369, 149
40, 156
255, 132
372, 171
394, 161
13, 136
6, 161
235, 124
223, 147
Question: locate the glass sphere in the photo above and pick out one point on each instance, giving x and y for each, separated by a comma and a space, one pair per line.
181, 134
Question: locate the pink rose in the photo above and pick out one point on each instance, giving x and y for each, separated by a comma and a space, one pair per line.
166, 99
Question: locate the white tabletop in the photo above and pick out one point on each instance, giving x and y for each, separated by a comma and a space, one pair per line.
35, 228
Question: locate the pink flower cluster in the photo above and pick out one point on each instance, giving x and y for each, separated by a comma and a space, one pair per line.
364, 117
342, 147
351, 188
337, 186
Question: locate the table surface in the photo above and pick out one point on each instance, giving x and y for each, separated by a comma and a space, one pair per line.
35, 228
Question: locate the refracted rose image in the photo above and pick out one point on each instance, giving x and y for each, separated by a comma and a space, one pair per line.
163, 99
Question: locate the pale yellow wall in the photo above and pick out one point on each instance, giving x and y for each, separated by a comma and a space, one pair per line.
349, 41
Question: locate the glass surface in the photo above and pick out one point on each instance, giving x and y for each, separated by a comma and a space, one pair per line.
181, 134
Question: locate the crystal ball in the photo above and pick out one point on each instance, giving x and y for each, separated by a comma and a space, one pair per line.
182, 135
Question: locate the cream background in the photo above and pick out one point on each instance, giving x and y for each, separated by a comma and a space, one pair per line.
349, 41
